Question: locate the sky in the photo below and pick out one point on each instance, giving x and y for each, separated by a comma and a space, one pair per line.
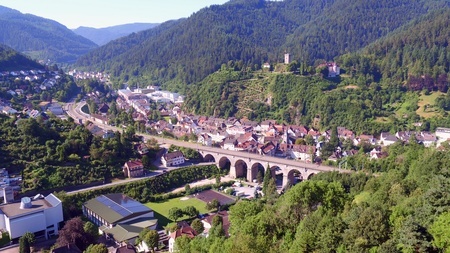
104, 13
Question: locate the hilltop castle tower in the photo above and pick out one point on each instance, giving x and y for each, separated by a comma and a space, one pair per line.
287, 59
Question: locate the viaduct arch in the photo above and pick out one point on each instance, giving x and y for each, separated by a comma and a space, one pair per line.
253, 166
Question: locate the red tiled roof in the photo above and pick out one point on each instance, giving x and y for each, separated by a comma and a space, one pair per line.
184, 230
136, 164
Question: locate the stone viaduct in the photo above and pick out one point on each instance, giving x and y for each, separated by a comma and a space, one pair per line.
247, 165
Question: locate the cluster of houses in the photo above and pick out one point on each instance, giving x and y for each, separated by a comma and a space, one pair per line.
30, 112
41, 80
140, 99
81, 75
270, 138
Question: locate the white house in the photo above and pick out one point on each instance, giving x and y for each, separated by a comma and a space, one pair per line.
299, 152
442, 134
387, 139
41, 216
8, 110
205, 140
172, 159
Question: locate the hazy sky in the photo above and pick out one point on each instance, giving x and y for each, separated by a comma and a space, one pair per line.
104, 13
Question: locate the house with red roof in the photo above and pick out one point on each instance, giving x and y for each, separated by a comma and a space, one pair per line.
133, 168
184, 230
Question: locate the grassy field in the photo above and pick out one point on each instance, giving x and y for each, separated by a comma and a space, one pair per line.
409, 105
426, 104
162, 208
383, 120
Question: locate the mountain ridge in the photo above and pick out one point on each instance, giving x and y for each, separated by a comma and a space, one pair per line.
102, 36
41, 38
251, 33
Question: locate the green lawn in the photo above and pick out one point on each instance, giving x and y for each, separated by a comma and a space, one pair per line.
429, 101
162, 208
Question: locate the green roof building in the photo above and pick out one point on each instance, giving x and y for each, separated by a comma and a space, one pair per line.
119, 216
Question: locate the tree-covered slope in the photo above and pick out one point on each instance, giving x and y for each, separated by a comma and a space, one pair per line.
415, 50
13, 60
102, 36
188, 50
41, 38
347, 26
252, 32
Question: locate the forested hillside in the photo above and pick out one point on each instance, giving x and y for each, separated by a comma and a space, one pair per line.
13, 60
252, 32
187, 50
348, 26
417, 53
41, 38
357, 103
101, 36
405, 209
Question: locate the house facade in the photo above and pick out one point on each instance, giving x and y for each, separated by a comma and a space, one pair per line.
133, 169
172, 159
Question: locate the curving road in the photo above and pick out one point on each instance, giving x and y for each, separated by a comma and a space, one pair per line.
74, 111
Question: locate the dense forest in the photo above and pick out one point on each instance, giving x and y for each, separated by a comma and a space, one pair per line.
41, 38
55, 153
13, 60
417, 53
405, 209
251, 32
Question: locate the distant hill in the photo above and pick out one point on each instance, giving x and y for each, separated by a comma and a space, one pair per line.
13, 60
41, 38
102, 36
251, 33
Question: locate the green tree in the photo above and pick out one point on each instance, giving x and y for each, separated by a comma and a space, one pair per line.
145, 161
266, 180
182, 244
197, 225
259, 177
175, 213
91, 229
213, 204
187, 189
271, 190
151, 238
25, 242
190, 211
440, 230
96, 248
24, 245
309, 140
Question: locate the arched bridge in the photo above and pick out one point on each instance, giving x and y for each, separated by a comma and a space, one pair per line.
252, 166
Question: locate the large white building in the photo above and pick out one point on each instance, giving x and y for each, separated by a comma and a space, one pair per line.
41, 216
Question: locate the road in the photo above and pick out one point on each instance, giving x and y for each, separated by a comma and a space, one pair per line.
76, 113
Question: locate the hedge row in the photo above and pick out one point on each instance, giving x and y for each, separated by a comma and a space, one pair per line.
141, 190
